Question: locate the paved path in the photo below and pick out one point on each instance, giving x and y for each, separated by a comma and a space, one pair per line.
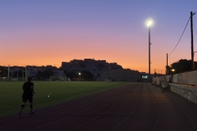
133, 107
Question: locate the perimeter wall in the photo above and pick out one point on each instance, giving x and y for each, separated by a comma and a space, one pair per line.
184, 84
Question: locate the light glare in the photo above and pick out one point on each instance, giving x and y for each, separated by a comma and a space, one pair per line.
149, 22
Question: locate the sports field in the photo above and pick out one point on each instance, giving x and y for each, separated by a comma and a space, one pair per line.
47, 93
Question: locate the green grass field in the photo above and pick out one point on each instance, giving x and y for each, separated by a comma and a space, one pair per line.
11, 93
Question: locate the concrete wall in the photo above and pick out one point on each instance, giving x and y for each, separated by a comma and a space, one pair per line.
189, 78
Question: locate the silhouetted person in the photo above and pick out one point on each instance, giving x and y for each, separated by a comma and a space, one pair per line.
28, 91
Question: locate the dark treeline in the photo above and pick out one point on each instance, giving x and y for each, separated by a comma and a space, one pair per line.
183, 65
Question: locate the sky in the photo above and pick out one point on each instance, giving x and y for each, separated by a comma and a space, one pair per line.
47, 32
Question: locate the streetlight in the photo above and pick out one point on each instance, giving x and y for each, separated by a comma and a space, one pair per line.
79, 75
149, 23
173, 70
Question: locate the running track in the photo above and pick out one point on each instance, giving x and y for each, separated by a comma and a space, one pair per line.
133, 107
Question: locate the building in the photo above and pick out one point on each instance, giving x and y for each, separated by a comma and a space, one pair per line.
96, 67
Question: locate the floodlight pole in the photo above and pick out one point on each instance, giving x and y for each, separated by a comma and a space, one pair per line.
149, 43
149, 23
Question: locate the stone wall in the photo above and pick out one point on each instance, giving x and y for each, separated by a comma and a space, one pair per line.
187, 91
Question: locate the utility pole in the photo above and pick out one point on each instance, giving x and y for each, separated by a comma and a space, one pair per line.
192, 41
167, 70
167, 59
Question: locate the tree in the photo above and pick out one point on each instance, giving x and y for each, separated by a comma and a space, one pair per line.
87, 75
71, 74
182, 65
3, 72
83, 76
39, 75
47, 73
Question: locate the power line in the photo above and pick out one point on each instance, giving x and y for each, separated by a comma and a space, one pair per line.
181, 36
